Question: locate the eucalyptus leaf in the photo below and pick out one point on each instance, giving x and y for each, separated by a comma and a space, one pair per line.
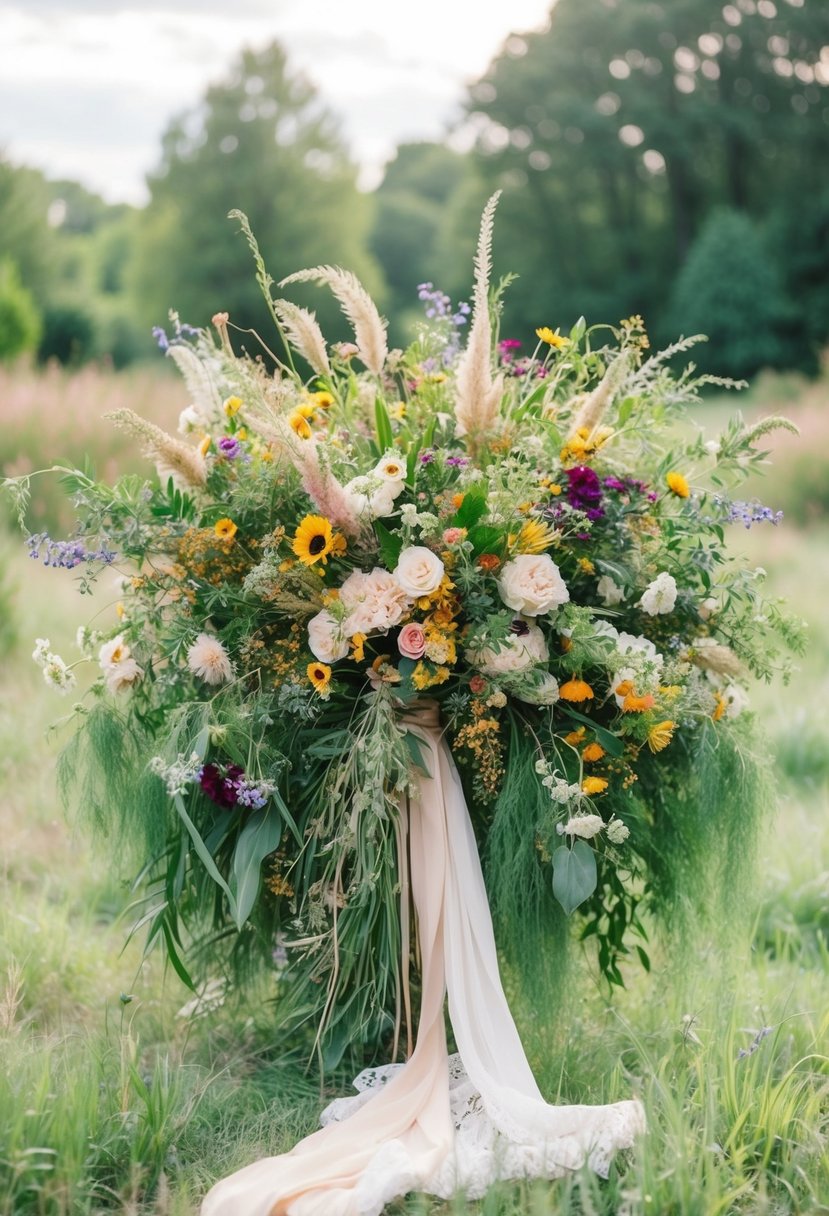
574, 874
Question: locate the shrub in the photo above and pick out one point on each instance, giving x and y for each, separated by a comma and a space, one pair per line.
68, 335
20, 323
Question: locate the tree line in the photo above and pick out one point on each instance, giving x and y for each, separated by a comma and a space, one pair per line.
666, 159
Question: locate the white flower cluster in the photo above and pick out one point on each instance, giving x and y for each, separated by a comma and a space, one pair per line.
584, 826
119, 667
374, 494
560, 789
178, 775
55, 672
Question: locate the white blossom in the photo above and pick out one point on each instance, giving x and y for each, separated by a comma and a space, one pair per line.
208, 659
585, 826
610, 591
532, 584
659, 596
617, 832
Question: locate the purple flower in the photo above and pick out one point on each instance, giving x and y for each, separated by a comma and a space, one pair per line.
66, 554
248, 794
457, 462
427, 457
508, 344
584, 491
221, 787
161, 337
229, 446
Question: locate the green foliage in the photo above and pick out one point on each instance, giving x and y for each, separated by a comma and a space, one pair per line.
729, 290
20, 322
68, 334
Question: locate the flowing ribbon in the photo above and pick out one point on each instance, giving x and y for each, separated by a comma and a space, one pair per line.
404, 1138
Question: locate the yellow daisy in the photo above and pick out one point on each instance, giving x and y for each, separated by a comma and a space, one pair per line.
594, 785
678, 485
225, 529
232, 406
314, 540
320, 676
552, 337
659, 736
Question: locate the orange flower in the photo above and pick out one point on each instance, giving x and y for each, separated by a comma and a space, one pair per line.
575, 736
637, 705
457, 499
576, 690
678, 485
594, 785
225, 529
489, 561
593, 752
720, 708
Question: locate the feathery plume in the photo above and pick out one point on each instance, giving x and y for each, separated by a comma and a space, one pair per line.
369, 327
327, 494
172, 458
477, 395
713, 656
304, 335
594, 406
204, 392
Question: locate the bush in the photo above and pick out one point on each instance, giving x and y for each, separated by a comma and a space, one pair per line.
68, 335
19, 319
729, 289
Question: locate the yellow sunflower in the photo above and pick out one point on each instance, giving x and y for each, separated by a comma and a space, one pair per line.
314, 540
320, 676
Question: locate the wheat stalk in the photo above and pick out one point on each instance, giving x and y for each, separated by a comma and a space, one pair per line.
369, 327
303, 331
195, 375
172, 458
477, 395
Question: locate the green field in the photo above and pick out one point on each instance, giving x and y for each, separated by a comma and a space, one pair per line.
113, 1099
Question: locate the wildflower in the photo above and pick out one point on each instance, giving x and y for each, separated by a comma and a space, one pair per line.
323, 400
320, 676
534, 537
253, 794
575, 737
453, 536
313, 540
586, 566
594, 785
552, 337
358, 642
593, 752
298, 422
585, 826
41, 652
720, 707
659, 597
660, 736
576, 690
57, 674
610, 592
477, 684
232, 406
617, 832
220, 787
225, 529
208, 659
678, 484
489, 562
204, 446
229, 447
584, 491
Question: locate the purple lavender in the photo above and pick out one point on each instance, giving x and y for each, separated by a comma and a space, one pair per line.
747, 513
439, 308
161, 338
584, 491
250, 795
66, 554
230, 447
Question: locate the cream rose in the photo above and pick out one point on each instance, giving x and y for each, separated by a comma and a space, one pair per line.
411, 641
374, 601
532, 584
325, 638
523, 646
418, 571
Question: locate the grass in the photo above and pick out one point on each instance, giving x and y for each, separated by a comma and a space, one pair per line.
111, 1100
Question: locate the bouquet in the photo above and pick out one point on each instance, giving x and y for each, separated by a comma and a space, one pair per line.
338, 533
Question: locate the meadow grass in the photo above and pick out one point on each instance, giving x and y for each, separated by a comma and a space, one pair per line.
111, 1100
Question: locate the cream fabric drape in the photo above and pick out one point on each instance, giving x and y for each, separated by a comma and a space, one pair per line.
433, 1124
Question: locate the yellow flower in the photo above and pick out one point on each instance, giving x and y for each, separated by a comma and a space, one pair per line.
659, 736
358, 641
225, 529
678, 485
420, 677
313, 540
593, 752
586, 565
242, 432
552, 337
575, 736
232, 406
576, 690
320, 676
594, 785
298, 422
457, 499
204, 446
398, 411
286, 565
323, 400
120, 610
720, 707
534, 537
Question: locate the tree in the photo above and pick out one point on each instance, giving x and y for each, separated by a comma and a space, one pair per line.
262, 142
19, 319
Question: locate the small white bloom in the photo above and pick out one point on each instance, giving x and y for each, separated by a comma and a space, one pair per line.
419, 571
497, 700
585, 826
42, 650
610, 592
517, 651
712, 447
532, 584
541, 766
191, 419
325, 639
113, 652
392, 470
659, 596
707, 608
208, 659
408, 514
57, 674
617, 832
737, 700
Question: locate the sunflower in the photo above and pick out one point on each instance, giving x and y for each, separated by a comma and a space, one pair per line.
314, 540
320, 676
225, 529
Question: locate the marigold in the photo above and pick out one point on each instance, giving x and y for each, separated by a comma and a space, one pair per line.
314, 540
575, 736
633, 704
720, 707
660, 736
320, 676
357, 644
576, 690
593, 752
489, 561
678, 485
457, 499
552, 337
225, 529
594, 785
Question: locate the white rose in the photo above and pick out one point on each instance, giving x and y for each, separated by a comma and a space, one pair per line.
419, 571
325, 638
610, 592
374, 601
523, 646
369, 498
545, 691
531, 584
659, 596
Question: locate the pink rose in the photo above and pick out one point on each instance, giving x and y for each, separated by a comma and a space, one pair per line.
412, 641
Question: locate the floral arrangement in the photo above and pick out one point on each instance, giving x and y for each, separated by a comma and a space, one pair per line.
536, 542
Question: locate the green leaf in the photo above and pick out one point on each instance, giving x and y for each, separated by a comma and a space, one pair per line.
626, 409
415, 749
574, 874
610, 742
204, 853
390, 544
484, 539
471, 509
578, 331
259, 837
334, 744
385, 439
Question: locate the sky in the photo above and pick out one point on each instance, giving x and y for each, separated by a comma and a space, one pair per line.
88, 86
